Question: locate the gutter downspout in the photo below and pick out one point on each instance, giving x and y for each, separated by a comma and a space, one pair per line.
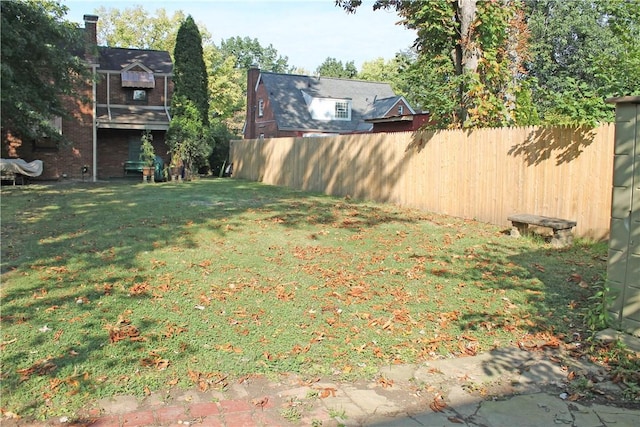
166, 93
94, 121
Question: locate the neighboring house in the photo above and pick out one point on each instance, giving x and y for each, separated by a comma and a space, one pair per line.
132, 93
290, 105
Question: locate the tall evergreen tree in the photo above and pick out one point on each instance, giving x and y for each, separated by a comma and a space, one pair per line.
189, 70
189, 137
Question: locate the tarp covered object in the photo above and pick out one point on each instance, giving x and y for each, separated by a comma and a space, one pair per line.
33, 168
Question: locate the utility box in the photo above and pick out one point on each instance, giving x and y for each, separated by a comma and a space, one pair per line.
623, 268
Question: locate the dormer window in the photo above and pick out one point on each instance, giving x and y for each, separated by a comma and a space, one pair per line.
327, 109
342, 110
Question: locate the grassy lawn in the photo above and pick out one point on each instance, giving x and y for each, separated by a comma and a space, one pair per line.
130, 288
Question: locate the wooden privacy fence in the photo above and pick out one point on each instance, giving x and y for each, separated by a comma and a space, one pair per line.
484, 174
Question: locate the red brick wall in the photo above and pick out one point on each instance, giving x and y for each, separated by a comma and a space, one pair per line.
267, 123
70, 156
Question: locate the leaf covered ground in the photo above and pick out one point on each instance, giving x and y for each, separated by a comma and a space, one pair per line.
129, 288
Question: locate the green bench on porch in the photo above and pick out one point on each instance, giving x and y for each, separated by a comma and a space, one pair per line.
133, 166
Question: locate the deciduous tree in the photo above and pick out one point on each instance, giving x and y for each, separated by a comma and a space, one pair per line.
331, 67
41, 63
583, 52
138, 28
476, 39
249, 52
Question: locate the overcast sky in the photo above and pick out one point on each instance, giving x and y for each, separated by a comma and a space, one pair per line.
306, 31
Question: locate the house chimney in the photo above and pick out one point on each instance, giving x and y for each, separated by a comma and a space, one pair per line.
252, 79
91, 29
90, 37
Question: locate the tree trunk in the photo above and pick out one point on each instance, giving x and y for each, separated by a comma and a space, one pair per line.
467, 54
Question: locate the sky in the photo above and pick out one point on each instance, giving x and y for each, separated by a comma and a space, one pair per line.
306, 31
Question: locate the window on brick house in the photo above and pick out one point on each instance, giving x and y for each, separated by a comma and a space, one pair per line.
139, 96
46, 143
260, 108
400, 110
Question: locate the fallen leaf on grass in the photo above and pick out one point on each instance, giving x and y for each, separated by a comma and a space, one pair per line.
6, 343
155, 362
539, 267
41, 367
139, 288
126, 331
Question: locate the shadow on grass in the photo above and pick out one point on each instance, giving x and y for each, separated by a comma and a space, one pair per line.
93, 235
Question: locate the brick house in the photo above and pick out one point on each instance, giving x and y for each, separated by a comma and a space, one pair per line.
131, 93
290, 105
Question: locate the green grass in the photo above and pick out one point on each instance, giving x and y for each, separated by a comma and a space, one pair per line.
124, 289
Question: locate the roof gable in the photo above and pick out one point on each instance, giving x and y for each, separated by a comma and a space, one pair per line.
121, 59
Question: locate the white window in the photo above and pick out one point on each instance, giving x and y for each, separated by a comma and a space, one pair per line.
342, 110
139, 95
260, 108
400, 110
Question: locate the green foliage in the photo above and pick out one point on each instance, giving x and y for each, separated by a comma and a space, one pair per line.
331, 67
39, 66
430, 83
147, 152
379, 70
249, 52
478, 88
225, 81
138, 28
581, 56
189, 71
597, 311
188, 138
228, 76
222, 137
551, 62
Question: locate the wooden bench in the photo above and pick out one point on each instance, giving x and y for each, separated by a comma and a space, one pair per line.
562, 234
